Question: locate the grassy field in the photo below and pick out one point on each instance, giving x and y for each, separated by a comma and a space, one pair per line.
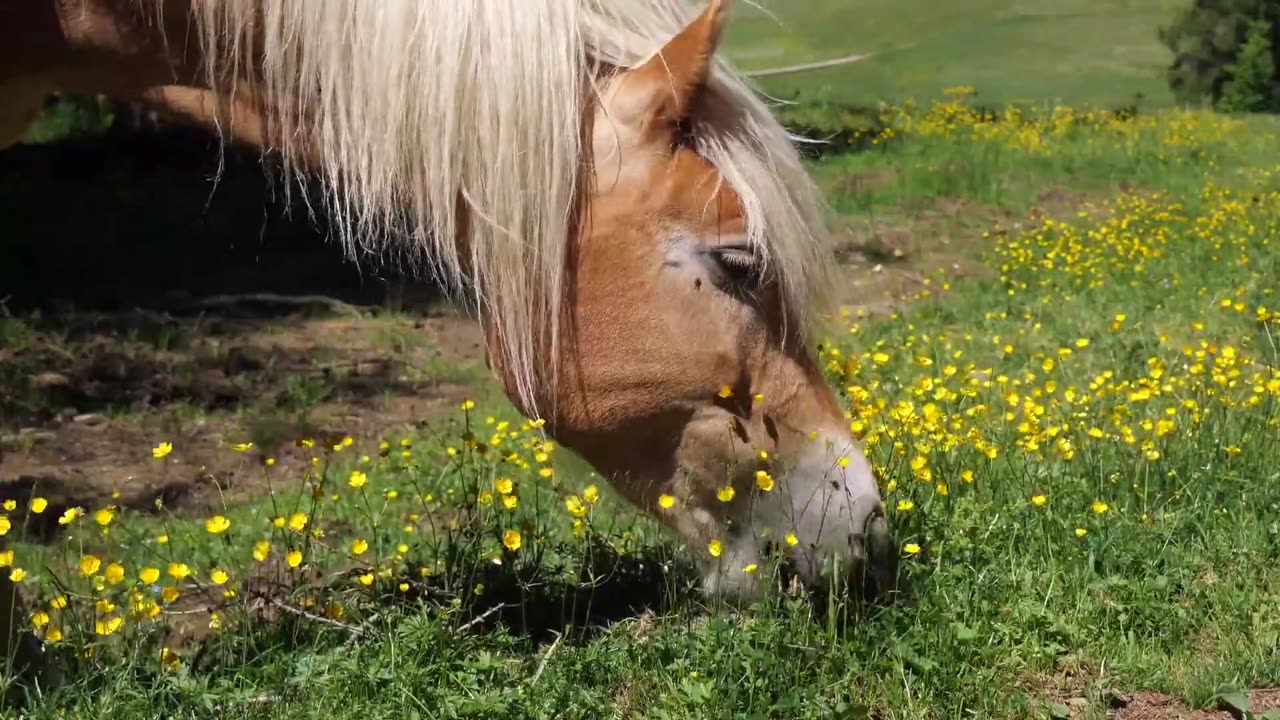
1059, 344
1057, 339
1068, 51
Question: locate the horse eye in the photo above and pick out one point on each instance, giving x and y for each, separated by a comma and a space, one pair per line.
739, 265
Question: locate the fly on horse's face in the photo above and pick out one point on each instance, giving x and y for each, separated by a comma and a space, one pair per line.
680, 375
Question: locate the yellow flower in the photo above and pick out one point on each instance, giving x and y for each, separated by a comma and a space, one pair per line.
298, 521
261, 549
105, 516
366, 579
791, 539
359, 546
6, 558
242, 447
590, 494
70, 515
751, 568
764, 480
218, 576
511, 540
170, 658
217, 524
114, 573
358, 479
966, 475
504, 486
1099, 507
725, 391
161, 450
1081, 532
666, 501
510, 502
38, 505
575, 506
89, 565
109, 625
294, 558
17, 575
911, 548
905, 505
53, 634
1039, 500
726, 493
10, 505
179, 570
149, 575
468, 404
5, 525
715, 548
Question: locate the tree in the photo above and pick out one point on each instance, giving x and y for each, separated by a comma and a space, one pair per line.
1252, 83
1207, 40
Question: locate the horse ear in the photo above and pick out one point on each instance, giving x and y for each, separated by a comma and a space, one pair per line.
663, 89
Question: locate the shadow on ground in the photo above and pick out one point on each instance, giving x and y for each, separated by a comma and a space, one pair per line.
158, 218
141, 302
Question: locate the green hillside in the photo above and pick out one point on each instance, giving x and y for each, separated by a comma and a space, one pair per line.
1069, 51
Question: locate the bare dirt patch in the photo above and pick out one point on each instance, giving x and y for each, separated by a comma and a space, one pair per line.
1155, 706
87, 397
888, 260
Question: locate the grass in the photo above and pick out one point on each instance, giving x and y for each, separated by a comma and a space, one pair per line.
1076, 52
1078, 451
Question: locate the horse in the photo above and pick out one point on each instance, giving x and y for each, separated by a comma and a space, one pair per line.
633, 227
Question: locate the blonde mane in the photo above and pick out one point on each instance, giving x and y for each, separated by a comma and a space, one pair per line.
449, 133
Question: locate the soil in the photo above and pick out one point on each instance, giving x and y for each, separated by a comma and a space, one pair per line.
1155, 706
103, 393
888, 261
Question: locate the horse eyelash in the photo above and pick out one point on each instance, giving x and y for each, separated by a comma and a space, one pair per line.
739, 267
